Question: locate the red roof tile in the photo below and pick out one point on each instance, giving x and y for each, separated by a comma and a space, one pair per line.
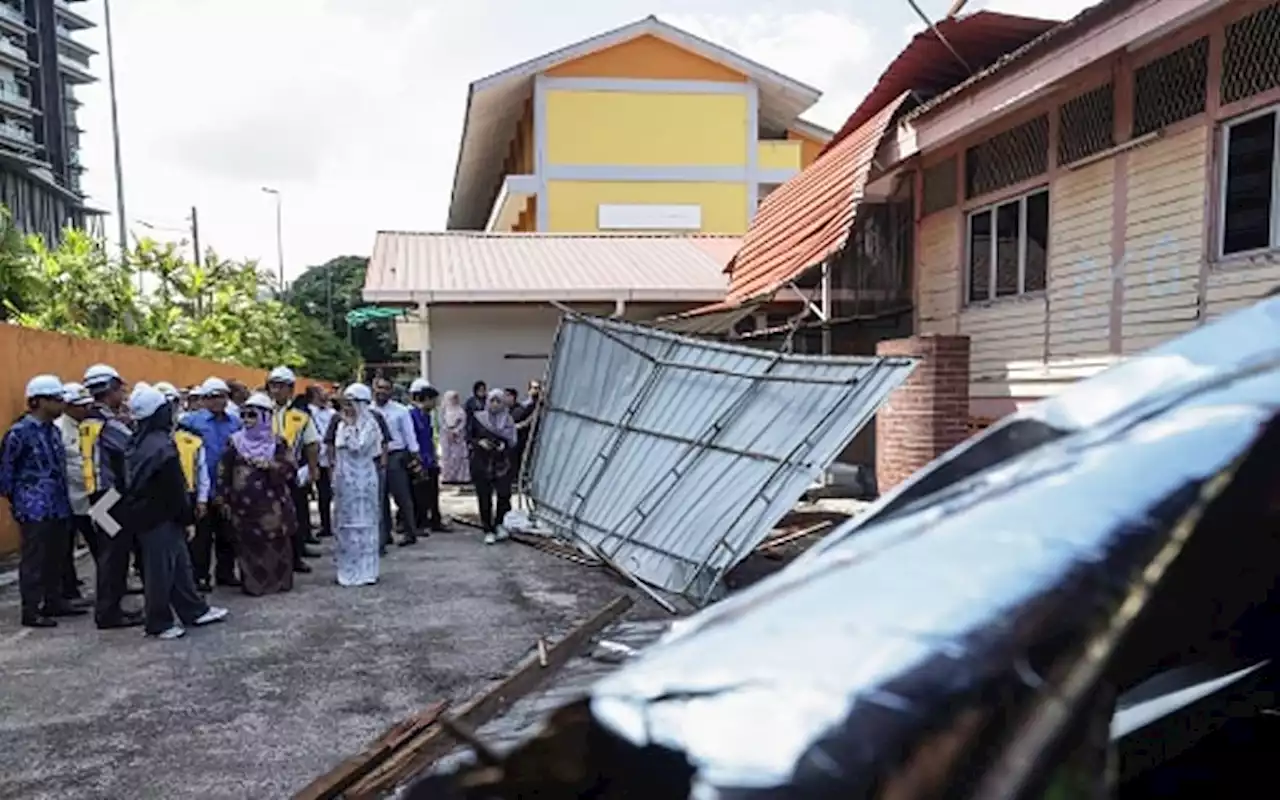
927, 67
808, 217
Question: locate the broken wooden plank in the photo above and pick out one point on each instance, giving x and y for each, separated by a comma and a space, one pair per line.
429, 744
332, 784
768, 546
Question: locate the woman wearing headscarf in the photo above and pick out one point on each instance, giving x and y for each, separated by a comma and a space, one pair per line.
156, 505
453, 441
492, 436
357, 512
255, 481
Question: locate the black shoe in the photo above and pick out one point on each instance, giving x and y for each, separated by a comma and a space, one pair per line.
308, 552
78, 602
133, 590
301, 566
122, 621
439, 527
407, 540
38, 621
65, 610
325, 535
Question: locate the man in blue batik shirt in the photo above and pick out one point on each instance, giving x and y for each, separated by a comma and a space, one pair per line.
34, 479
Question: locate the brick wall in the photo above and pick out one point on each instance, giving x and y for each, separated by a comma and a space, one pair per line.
927, 415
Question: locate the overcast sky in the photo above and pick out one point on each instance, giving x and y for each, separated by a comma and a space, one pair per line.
353, 108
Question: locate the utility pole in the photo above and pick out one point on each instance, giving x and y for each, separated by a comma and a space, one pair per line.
115, 138
195, 238
279, 233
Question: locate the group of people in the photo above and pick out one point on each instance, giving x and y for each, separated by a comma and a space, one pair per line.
212, 485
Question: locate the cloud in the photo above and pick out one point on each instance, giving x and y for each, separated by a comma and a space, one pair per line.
836, 53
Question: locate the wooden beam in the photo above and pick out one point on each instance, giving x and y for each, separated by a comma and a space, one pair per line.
435, 741
331, 785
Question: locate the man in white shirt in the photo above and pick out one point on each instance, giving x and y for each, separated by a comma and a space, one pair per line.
78, 402
322, 414
402, 450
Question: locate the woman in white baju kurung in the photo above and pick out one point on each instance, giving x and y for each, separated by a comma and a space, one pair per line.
357, 510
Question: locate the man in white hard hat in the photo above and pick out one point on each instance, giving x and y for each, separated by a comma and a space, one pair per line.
292, 423
402, 450
76, 404
33, 478
155, 504
213, 553
104, 438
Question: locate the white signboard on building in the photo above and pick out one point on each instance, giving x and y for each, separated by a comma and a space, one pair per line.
649, 217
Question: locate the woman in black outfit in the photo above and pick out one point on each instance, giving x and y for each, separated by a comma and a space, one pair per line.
491, 434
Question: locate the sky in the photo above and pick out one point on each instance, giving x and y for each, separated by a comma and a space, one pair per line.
352, 109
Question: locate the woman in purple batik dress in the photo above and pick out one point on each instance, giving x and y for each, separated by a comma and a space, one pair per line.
255, 477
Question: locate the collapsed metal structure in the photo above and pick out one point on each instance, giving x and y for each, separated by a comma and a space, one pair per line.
966, 636
672, 457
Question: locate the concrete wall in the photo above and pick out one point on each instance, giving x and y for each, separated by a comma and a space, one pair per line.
25, 352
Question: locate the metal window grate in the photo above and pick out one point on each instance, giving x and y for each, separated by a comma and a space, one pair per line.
1007, 158
1086, 124
1251, 55
940, 186
1171, 88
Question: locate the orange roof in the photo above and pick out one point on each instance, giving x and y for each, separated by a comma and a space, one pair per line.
808, 217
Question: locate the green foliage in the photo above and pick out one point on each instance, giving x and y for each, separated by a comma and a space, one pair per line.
324, 355
17, 288
328, 291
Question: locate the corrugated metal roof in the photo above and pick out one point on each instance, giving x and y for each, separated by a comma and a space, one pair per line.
926, 66
1057, 36
675, 457
475, 267
808, 217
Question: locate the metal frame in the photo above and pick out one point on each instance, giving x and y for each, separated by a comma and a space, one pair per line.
1227, 127
627, 532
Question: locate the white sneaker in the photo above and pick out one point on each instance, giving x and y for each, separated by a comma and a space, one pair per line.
214, 614
503, 534
490, 538
172, 632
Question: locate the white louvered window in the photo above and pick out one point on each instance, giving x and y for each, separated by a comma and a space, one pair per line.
1008, 248
1250, 192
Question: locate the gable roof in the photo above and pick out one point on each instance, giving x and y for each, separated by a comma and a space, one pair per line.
495, 104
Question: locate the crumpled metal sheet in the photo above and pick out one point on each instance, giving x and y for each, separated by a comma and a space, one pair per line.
675, 456
954, 639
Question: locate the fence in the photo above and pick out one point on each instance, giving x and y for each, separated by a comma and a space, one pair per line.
25, 352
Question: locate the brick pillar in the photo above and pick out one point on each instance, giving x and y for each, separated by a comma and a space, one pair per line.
927, 415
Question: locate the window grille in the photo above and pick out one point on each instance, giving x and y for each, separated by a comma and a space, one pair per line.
1171, 88
940, 186
1007, 158
1086, 124
1251, 55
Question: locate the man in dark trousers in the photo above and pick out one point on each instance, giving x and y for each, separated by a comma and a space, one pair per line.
213, 553
294, 425
34, 479
105, 438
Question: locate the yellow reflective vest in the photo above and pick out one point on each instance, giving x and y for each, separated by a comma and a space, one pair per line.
90, 430
189, 445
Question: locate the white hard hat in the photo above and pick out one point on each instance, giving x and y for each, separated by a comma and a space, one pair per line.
282, 375
44, 386
358, 392
260, 401
99, 375
419, 385
76, 394
168, 390
214, 386
145, 400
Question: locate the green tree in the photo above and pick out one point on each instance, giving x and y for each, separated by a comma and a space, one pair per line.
324, 355
335, 288
77, 289
17, 285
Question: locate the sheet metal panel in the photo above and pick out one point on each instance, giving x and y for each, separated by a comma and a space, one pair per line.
675, 456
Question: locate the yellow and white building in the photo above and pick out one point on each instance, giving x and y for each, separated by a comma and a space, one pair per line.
645, 128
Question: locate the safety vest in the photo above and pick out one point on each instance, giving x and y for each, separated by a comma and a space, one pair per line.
90, 430
189, 445
290, 425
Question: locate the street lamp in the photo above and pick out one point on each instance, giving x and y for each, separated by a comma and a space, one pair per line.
115, 135
279, 232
